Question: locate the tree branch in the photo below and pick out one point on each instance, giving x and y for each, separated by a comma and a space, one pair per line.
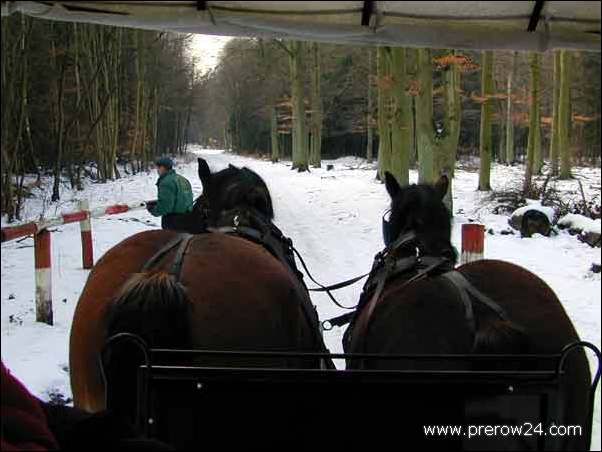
284, 47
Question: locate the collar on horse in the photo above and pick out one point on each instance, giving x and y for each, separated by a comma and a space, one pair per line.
388, 265
256, 230
251, 225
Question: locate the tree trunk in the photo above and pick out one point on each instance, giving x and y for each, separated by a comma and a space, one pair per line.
437, 149
316, 108
424, 118
401, 127
23, 115
533, 153
509, 121
564, 115
447, 151
369, 120
485, 142
59, 119
384, 125
274, 133
535, 94
297, 67
135, 151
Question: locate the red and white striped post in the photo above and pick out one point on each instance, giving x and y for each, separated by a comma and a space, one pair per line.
473, 242
85, 227
42, 250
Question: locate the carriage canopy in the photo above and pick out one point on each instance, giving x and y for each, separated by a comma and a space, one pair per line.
524, 25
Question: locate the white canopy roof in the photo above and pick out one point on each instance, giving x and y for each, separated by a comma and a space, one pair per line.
462, 25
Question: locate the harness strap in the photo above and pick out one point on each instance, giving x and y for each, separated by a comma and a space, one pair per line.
268, 240
426, 266
371, 305
181, 241
468, 293
273, 240
422, 273
176, 266
155, 258
337, 286
324, 288
459, 282
339, 320
463, 284
389, 270
399, 267
401, 240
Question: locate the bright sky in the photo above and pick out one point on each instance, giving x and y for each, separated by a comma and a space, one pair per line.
206, 49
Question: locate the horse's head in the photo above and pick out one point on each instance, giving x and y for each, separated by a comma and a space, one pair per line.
420, 209
230, 191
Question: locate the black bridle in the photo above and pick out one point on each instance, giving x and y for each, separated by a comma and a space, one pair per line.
386, 227
388, 240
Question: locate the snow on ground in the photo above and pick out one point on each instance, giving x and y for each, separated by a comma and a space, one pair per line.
533, 204
334, 219
581, 223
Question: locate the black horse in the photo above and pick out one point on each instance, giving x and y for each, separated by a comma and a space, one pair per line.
485, 307
231, 191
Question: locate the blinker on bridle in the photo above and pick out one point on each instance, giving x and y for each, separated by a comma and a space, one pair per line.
386, 225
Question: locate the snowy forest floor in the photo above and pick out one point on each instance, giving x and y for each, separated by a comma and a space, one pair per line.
333, 218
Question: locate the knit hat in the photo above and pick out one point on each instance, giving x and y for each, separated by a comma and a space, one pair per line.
164, 161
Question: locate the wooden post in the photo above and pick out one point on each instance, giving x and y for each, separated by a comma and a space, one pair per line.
43, 277
86, 233
473, 242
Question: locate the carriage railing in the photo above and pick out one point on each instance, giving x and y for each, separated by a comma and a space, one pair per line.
539, 374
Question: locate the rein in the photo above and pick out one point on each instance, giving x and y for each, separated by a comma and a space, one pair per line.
327, 289
345, 318
386, 265
265, 234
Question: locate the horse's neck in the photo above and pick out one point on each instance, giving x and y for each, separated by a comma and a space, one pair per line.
438, 247
431, 246
245, 216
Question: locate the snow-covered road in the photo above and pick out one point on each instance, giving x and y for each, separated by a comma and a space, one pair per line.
333, 218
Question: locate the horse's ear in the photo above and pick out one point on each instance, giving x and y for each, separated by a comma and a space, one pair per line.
204, 172
391, 185
442, 185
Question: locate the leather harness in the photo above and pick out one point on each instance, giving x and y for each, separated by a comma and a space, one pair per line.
181, 241
263, 233
387, 266
266, 234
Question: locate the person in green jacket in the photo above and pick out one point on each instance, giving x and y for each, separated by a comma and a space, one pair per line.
174, 199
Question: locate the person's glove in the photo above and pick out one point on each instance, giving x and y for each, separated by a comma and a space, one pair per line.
150, 205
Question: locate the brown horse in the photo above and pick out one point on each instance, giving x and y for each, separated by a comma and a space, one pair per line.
230, 293
428, 316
